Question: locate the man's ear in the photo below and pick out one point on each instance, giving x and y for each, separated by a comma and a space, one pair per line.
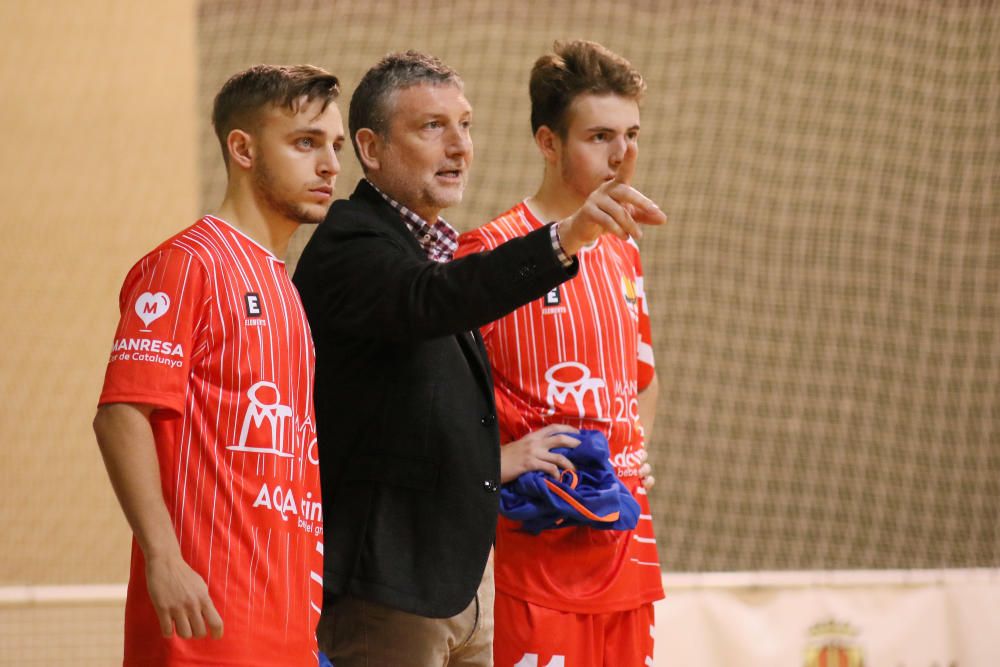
369, 148
547, 140
240, 146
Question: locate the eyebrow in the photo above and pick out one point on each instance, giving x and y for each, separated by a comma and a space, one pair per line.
601, 128
314, 131
431, 115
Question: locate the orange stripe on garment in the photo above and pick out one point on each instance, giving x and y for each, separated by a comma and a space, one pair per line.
559, 491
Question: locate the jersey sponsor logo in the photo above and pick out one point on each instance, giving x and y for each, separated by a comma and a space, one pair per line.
571, 379
552, 302
307, 436
266, 419
631, 295
262, 410
627, 463
150, 307
308, 512
253, 304
153, 350
254, 310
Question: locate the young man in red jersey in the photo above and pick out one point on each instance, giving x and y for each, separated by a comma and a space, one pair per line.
581, 356
206, 418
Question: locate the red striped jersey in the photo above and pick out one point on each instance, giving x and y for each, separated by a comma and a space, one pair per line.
578, 356
213, 334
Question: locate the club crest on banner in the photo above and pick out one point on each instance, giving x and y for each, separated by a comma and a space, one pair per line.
833, 644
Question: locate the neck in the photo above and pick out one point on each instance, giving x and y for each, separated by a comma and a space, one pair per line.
554, 200
429, 214
243, 210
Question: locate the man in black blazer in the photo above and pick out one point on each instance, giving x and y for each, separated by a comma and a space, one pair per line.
408, 442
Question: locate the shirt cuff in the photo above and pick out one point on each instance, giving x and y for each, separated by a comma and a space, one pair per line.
564, 259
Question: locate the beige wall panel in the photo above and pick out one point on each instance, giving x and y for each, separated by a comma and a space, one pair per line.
98, 165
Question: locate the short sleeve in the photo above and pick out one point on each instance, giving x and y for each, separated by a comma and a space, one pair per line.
163, 302
647, 363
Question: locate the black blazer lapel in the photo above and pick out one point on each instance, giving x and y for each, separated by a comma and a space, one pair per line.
365, 192
472, 346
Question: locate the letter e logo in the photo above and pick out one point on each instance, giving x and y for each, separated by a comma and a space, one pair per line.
252, 300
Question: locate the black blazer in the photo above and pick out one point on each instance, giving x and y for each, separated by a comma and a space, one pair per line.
408, 443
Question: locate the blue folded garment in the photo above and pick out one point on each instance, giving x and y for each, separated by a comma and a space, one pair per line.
592, 495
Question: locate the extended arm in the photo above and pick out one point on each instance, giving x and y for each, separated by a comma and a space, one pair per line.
647, 417
357, 277
179, 594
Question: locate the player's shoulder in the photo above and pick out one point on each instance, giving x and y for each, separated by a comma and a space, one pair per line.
196, 246
512, 223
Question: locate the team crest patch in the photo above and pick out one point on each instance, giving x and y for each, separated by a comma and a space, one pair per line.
631, 294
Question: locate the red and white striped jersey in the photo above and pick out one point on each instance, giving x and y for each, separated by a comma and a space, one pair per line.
213, 334
579, 356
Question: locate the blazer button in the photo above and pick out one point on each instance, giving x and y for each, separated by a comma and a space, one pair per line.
488, 420
490, 486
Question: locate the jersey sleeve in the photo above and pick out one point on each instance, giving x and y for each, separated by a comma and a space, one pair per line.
470, 243
647, 363
163, 306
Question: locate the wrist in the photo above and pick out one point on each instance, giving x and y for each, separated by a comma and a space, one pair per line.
164, 548
565, 238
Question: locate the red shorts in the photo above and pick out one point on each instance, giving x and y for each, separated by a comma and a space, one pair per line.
526, 635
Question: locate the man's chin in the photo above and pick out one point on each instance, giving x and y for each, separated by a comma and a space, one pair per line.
310, 216
450, 197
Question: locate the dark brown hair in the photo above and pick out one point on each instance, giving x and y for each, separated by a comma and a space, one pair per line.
246, 93
370, 103
574, 68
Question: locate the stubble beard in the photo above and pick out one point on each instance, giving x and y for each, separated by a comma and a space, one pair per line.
263, 180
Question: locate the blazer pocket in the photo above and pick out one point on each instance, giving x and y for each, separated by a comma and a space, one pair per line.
411, 472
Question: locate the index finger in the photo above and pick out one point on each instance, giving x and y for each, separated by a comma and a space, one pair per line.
562, 440
559, 428
644, 209
626, 170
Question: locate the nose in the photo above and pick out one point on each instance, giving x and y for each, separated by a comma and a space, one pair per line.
459, 142
618, 153
328, 165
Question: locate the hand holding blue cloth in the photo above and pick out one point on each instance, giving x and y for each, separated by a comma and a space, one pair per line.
592, 495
